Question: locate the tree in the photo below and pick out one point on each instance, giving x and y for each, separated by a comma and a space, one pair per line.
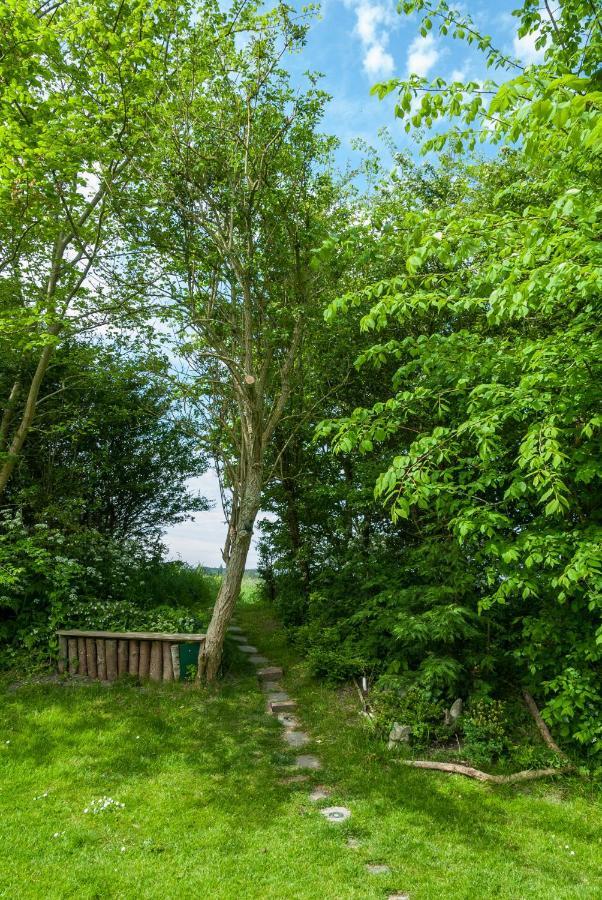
239, 198
498, 355
110, 450
77, 84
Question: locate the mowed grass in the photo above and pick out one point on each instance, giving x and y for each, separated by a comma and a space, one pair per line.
206, 813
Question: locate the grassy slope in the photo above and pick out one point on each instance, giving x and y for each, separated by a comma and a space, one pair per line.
205, 814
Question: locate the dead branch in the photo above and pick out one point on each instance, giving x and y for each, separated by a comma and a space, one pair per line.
543, 728
469, 772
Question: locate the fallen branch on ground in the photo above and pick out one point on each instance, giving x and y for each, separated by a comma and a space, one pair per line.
469, 772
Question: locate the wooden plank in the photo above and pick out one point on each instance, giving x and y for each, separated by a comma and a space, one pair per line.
167, 663
156, 661
63, 653
122, 657
72, 654
174, 649
133, 635
144, 666
91, 658
101, 662
134, 657
81, 656
111, 658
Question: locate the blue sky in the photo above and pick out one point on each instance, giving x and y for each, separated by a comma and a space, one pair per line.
356, 43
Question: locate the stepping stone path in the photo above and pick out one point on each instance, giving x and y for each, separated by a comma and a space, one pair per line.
336, 814
282, 706
307, 761
378, 869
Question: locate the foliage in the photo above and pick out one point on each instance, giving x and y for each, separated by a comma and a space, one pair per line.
496, 346
50, 579
484, 726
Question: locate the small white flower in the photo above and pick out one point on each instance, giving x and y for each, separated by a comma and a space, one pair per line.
438, 235
572, 852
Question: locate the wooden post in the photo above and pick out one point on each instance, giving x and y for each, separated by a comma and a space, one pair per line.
101, 662
63, 653
122, 657
144, 659
156, 659
134, 654
167, 663
111, 659
81, 656
72, 652
174, 649
91, 657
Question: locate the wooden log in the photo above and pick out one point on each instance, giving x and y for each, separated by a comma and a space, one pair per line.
134, 657
81, 656
111, 659
122, 657
156, 661
174, 649
63, 653
167, 663
72, 653
144, 665
101, 662
91, 658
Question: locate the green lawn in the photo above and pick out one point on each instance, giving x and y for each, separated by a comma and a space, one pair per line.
205, 813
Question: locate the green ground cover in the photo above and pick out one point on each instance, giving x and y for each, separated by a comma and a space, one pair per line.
205, 812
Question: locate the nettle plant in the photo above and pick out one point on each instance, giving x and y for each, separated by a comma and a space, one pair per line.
496, 398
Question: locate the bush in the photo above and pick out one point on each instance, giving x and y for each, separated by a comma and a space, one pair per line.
484, 726
393, 700
50, 580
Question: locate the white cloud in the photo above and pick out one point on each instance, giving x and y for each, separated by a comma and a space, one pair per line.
378, 61
372, 26
525, 49
422, 55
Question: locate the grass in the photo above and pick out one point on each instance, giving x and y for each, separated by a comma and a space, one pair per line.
206, 813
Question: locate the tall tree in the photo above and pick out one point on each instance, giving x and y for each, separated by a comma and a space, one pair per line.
241, 199
77, 83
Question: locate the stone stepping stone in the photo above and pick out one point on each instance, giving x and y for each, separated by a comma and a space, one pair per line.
282, 706
297, 738
288, 721
307, 761
336, 814
257, 660
271, 673
294, 779
234, 629
248, 648
319, 793
278, 697
398, 897
271, 686
239, 638
353, 843
378, 869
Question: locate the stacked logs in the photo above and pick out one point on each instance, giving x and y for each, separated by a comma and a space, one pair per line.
107, 658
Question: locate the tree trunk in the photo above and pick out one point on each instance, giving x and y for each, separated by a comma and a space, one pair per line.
210, 654
16, 445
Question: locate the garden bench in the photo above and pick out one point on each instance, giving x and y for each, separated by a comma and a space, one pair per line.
106, 655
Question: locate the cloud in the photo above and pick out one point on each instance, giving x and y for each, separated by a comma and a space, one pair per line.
373, 21
422, 55
378, 61
525, 49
